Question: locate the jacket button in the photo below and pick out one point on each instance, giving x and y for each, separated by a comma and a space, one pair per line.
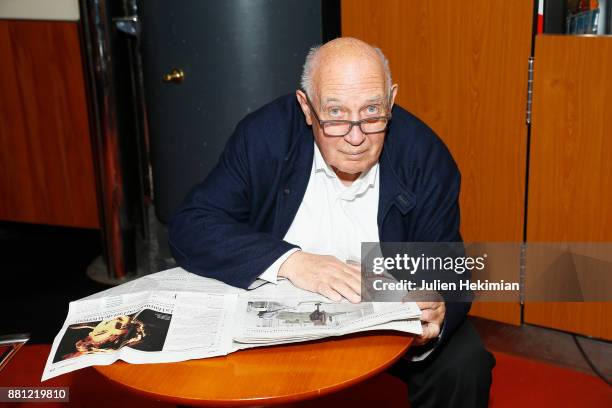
287, 191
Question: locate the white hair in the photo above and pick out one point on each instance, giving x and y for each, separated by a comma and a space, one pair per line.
311, 62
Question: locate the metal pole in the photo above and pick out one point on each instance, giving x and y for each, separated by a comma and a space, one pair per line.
119, 248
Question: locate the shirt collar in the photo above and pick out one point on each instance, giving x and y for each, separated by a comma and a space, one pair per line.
320, 164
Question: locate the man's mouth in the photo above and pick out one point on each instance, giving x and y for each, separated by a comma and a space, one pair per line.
354, 153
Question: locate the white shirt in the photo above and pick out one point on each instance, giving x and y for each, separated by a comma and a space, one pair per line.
333, 219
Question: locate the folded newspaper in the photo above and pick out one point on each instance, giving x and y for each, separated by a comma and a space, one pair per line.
174, 315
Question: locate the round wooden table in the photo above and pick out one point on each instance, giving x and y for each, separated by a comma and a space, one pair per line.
264, 376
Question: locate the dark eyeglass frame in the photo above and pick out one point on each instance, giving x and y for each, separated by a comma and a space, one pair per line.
351, 123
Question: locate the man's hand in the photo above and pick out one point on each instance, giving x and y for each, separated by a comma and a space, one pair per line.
323, 274
432, 317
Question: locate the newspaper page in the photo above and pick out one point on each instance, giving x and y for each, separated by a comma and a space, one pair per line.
174, 315
145, 327
260, 320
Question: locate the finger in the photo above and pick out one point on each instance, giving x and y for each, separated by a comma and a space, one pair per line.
346, 291
350, 279
425, 305
354, 267
432, 315
430, 305
352, 270
428, 315
328, 292
353, 283
425, 336
431, 330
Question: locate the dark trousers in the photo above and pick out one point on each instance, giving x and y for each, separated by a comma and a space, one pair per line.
456, 374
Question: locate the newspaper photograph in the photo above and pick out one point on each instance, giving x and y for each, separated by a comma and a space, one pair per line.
145, 330
174, 316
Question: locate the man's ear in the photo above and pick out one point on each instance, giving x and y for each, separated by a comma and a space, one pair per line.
301, 97
393, 95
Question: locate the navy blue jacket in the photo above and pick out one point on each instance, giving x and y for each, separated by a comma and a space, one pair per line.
231, 226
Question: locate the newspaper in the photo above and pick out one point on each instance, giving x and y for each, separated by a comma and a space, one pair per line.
174, 315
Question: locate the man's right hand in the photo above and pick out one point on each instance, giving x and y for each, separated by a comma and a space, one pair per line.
323, 274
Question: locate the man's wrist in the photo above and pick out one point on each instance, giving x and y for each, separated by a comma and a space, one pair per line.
285, 269
272, 274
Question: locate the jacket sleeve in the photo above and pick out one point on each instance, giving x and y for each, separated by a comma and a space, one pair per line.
439, 222
210, 234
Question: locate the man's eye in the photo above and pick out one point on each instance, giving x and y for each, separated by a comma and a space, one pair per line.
372, 109
335, 112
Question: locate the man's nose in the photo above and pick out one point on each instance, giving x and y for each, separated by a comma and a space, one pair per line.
355, 137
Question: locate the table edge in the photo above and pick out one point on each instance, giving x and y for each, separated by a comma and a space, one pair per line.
275, 400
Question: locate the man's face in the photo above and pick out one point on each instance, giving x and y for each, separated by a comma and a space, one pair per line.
349, 90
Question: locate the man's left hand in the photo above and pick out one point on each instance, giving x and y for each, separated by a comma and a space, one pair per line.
432, 317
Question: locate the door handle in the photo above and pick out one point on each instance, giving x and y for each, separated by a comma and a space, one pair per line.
176, 75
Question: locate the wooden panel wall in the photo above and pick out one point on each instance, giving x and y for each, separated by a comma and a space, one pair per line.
462, 68
46, 169
570, 177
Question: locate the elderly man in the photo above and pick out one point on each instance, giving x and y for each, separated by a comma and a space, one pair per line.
307, 178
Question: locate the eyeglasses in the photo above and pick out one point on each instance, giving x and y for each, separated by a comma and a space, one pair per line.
341, 128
